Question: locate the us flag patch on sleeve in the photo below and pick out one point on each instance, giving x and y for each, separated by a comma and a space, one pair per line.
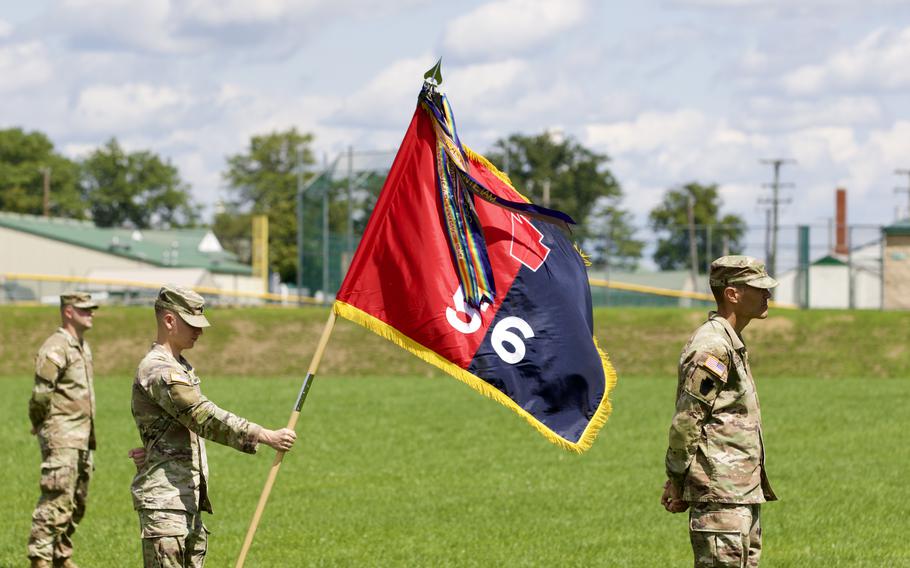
714, 365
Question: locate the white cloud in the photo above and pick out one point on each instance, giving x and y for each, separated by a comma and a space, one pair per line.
24, 66
877, 62
388, 99
505, 28
122, 108
656, 151
6, 29
199, 26
770, 113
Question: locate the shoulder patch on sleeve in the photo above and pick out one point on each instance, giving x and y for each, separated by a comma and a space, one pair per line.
717, 368
56, 358
178, 378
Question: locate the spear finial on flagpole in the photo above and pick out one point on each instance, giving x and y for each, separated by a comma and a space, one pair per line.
434, 75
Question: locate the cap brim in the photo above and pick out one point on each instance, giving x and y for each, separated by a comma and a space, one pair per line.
195, 321
86, 305
765, 282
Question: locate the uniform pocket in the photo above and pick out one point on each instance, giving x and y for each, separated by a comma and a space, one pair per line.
160, 523
719, 535
57, 476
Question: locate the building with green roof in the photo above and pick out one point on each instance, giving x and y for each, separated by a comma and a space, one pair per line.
66, 247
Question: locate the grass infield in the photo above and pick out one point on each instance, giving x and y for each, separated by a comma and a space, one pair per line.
417, 471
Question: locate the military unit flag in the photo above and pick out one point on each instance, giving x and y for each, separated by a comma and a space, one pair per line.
458, 268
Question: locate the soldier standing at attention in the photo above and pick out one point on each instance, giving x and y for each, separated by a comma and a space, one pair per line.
62, 413
716, 459
170, 489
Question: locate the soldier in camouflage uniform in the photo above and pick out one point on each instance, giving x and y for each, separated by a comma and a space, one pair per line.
716, 459
170, 489
62, 413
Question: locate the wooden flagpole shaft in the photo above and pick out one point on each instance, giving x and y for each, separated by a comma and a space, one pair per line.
292, 422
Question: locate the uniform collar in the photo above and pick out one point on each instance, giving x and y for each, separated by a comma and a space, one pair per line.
734, 337
73, 341
158, 348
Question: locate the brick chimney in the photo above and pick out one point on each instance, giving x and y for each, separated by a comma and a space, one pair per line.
840, 246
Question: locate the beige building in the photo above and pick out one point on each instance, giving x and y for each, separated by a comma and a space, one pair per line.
896, 263
31, 245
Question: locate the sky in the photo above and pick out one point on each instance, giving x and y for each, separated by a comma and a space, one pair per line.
673, 91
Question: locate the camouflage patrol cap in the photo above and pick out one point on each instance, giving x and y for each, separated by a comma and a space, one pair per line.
81, 300
184, 302
737, 269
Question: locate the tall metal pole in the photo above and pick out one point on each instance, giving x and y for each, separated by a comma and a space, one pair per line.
299, 197
708, 253
775, 202
47, 190
349, 236
325, 242
904, 189
851, 292
693, 251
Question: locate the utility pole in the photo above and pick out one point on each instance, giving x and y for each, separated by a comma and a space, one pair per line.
775, 202
693, 251
47, 190
904, 189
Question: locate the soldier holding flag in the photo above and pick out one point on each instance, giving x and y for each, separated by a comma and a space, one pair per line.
170, 489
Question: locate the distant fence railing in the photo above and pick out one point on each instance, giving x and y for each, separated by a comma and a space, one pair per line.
32, 288
39, 288
640, 294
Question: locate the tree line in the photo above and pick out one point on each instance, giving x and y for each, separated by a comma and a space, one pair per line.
115, 187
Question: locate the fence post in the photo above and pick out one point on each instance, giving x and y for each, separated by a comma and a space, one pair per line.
802, 275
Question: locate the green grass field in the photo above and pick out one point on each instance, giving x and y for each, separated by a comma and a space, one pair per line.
418, 471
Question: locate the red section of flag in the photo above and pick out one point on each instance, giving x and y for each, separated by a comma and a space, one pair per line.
529, 251
403, 273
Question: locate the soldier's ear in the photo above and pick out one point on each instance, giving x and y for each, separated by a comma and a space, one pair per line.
731, 294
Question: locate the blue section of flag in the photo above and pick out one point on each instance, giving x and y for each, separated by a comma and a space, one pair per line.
560, 378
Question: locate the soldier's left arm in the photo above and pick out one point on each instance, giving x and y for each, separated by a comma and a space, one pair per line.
49, 365
705, 375
185, 401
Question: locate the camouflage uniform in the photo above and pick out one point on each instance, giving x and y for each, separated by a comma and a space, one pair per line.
170, 490
62, 413
716, 451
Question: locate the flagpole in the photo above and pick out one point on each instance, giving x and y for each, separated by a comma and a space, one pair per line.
292, 422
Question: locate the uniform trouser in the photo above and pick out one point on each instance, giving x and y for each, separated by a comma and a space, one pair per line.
725, 534
65, 475
172, 539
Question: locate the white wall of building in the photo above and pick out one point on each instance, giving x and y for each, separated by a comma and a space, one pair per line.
829, 287
26, 253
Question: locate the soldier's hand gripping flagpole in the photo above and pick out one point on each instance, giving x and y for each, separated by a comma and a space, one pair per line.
292, 422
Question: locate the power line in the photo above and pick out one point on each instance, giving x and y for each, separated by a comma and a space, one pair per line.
775, 203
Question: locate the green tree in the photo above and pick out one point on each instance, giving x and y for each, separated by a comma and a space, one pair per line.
24, 158
612, 242
670, 220
580, 184
263, 180
138, 189
234, 230
574, 176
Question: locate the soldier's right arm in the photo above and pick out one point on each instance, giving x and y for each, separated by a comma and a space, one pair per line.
49, 365
177, 394
705, 374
